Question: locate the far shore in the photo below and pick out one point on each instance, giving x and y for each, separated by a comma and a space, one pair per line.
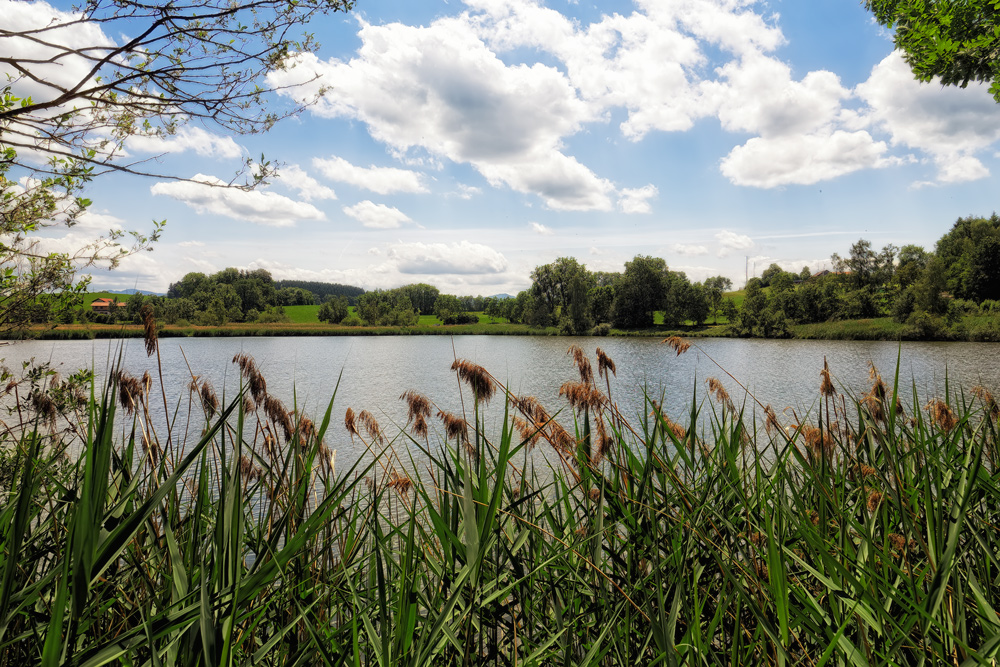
884, 329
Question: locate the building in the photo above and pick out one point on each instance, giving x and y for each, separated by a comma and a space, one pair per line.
104, 305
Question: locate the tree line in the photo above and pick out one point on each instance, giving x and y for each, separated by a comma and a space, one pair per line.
927, 290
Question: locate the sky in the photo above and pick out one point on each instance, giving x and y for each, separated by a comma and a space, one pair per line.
462, 144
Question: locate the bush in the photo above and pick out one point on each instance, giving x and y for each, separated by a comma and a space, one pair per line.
602, 329
351, 320
461, 318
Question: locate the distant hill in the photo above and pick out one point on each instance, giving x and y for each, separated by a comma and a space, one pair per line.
130, 290
501, 296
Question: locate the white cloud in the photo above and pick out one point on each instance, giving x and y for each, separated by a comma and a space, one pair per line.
376, 216
191, 244
539, 228
767, 162
448, 258
637, 200
441, 89
468, 191
951, 124
51, 76
295, 177
382, 180
210, 196
689, 250
731, 241
188, 138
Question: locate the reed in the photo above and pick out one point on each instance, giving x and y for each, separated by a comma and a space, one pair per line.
863, 534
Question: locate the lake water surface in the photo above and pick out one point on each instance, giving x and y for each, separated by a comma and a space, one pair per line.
374, 370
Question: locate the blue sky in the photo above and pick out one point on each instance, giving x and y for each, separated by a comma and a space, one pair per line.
464, 143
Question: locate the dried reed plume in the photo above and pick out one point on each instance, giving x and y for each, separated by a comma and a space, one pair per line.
581, 395
530, 432
130, 392
349, 424
878, 386
677, 344
826, 387
603, 443
418, 410
582, 364
560, 438
148, 329
454, 426
150, 449
370, 424
306, 429
477, 378
276, 412
401, 484
43, 404
248, 405
941, 415
248, 470
984, 395
256, 382
605, 364
205, 392
874, 500
819, 443
771, 423
874, 407
716, 389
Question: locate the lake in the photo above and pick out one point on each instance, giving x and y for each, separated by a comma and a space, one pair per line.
375, 370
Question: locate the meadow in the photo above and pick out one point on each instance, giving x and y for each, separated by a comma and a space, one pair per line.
862, 533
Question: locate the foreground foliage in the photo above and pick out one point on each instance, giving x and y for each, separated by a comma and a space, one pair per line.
864, 533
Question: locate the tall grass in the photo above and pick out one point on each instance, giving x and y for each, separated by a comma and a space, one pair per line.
864, 533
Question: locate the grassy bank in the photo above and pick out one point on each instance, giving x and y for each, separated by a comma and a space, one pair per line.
866, 534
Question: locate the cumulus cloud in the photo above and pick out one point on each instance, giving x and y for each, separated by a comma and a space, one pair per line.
195, 139
689, 249
637, 200
210, 196
463, 257
539, 228
377, 216
767, 162
728, 242
295, 177
468, 191
441, 89
950, 124
382, 180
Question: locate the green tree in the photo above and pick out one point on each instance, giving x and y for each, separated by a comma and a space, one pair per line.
640, 291
447, 306
954, 41
334, 310
769, 273
422, 296
715, 287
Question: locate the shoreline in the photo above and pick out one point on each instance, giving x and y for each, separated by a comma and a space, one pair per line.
878, 329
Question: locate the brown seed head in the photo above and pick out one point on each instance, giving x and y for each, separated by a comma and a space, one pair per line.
941, 415
582, 364
370, 424
352, 429
149, 329
771, 423
874, 500
477, 378
255, 381
276, 412
677, 344
605, 364
130, 392
984, 395
716, 389
209, 401
401, 484
454, 426
826, 387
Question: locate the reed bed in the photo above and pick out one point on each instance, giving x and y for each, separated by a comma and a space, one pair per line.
863, 533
